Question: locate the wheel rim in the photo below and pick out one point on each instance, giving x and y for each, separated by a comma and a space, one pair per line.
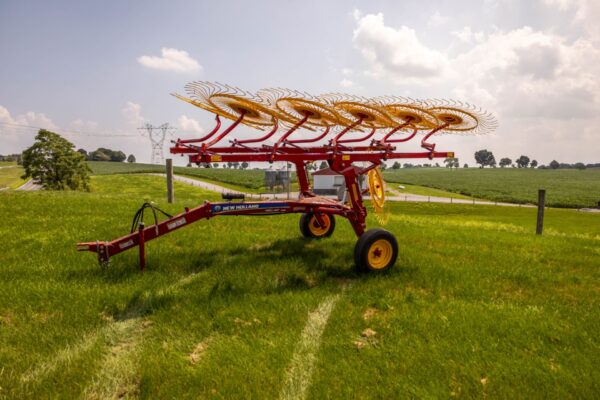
316, 229
380, 254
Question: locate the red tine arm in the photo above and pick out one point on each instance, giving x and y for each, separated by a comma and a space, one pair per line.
315, 139
202, 139
225, 132
348, 128
261, 139
431, 146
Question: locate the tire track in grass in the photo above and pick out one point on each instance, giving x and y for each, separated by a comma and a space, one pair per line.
300, 370
118, 372
110, 334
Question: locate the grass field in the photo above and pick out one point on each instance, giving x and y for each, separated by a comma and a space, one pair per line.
10, 175
477, 306
564, 187
236, 179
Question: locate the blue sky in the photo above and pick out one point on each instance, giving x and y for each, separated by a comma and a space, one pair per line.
77, 67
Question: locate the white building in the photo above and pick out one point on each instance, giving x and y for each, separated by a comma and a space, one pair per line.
327, 181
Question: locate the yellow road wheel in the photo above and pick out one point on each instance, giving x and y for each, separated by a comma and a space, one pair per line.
310, 227
376, 250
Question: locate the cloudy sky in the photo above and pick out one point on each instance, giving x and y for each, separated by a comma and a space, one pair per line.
96, 71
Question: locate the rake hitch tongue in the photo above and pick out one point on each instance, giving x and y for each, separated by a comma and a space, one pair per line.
381, 124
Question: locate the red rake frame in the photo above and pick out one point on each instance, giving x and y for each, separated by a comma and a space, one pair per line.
337, 153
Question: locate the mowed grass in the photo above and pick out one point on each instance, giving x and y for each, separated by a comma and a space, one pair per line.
10, 175
477, 305
245, 180
564, 187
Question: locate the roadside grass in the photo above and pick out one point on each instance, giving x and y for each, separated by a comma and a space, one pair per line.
477, 305
564, 187
10, 175
426, 191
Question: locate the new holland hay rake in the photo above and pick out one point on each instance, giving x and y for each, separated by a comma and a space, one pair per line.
376, 126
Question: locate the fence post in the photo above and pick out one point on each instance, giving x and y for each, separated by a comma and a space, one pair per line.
169, 180
540, 213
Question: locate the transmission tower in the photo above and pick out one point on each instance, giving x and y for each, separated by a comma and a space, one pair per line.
157, 136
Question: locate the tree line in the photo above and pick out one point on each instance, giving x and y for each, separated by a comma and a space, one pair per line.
103, 154
486, 158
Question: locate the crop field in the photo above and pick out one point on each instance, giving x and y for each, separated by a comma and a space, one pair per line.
249, 178
244, 307
564, 187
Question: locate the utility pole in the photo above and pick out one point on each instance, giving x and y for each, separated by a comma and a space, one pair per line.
157, 135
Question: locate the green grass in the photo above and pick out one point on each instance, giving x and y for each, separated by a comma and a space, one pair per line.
10, 175
426, 191
564, 187
477, 305
249, 180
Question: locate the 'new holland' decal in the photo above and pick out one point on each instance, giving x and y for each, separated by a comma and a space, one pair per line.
221, 208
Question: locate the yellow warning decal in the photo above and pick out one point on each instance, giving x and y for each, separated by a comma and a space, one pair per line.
346, 157
215, 158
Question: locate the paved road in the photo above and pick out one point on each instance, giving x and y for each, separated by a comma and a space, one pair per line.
396, 197
29, 186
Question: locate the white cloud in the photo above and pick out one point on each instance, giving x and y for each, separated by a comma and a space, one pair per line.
467, 35
396, 54
543, 88
171, 60
187, 124
347, 71
133, 114
436, 20
346, 83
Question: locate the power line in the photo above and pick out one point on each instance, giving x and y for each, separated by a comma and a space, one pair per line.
23, 128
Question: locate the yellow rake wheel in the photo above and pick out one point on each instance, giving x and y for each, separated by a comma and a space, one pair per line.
377, 189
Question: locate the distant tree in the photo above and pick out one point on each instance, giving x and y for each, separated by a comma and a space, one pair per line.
83, 153
522, 162
579, 165
323, 165
396, 165
236, 164
244, 165
452, 162
554, 164
505, 162
131, 158
437, 164
407, 165
383, 166
52, 162
466, 166
533, 164
102, 154
485, 158
229, 164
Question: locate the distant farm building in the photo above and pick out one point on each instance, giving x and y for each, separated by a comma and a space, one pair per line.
327, 181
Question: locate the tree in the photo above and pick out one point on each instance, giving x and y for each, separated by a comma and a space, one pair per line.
485, 158
215, 165
131, 158
52, 162
534, 163
580, 165
452, 162
505, 162
102, 154
466, 166
396, 165
522, 162
554, 164
323, 165
244, 165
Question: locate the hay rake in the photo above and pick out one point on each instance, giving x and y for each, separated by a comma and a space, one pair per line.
377, 125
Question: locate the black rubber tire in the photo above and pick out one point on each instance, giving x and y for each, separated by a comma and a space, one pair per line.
363, 246
305, 226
